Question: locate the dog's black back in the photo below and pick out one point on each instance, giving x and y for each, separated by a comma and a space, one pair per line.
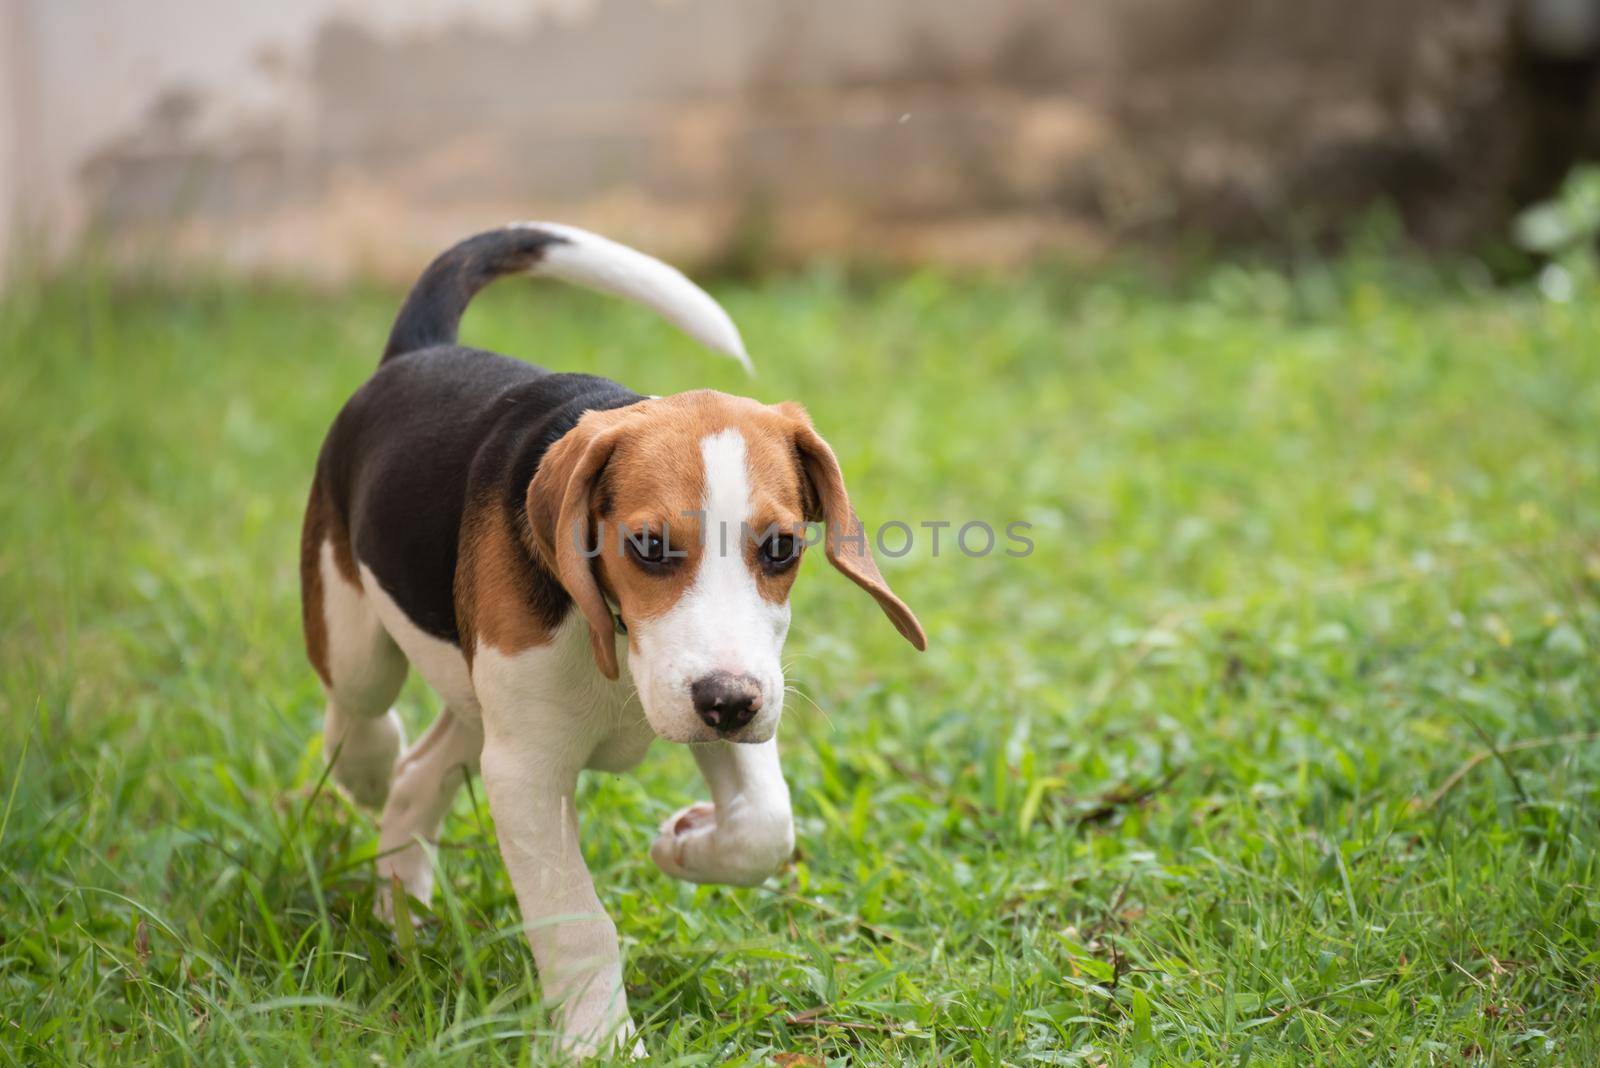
438, 425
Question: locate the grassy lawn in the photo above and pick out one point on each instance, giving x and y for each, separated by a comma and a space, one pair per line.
1276, 749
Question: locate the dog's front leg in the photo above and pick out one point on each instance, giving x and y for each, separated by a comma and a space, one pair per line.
530, 788
745, 834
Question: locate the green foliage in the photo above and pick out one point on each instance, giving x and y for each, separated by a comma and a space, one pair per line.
1568, 223
1566, 230
1277, 749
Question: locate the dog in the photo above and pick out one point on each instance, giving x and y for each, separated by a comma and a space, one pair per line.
499, 527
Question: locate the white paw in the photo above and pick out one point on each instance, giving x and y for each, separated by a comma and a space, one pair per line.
364, 754
693, 845
416, 888
625, 1045
408, 872
591, 1028
695, 824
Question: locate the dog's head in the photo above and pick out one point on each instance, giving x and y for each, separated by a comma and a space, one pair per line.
684, 517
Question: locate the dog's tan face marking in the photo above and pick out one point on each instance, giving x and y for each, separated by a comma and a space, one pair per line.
655, 483
715, 490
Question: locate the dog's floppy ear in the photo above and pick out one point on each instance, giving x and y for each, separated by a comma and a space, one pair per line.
845, 538
559, 521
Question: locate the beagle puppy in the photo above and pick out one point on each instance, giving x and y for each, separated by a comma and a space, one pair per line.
499, 527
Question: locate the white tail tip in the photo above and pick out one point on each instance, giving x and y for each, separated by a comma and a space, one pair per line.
598, 263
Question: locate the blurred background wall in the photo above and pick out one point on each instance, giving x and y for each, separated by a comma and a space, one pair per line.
336, 136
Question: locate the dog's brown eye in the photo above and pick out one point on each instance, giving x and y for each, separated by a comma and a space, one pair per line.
779, 552
650, 550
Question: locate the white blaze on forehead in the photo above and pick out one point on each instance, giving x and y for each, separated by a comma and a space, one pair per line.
721, 623
733, 625
727, 503
735, 629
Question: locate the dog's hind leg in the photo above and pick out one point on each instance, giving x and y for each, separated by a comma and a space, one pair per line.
361, 668
425, 783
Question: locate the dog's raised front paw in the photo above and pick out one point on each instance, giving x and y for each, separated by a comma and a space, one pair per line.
670, 850
696, 845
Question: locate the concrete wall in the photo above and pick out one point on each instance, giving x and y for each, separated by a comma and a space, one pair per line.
343, 135
14, 110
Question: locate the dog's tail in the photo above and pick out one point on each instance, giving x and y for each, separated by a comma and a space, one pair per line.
433, 310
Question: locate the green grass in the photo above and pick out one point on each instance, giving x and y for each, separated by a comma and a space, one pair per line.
1204, 779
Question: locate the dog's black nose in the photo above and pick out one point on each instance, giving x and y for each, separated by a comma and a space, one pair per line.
726, 701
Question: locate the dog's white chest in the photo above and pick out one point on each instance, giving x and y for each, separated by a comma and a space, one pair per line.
553, 696
623, 733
